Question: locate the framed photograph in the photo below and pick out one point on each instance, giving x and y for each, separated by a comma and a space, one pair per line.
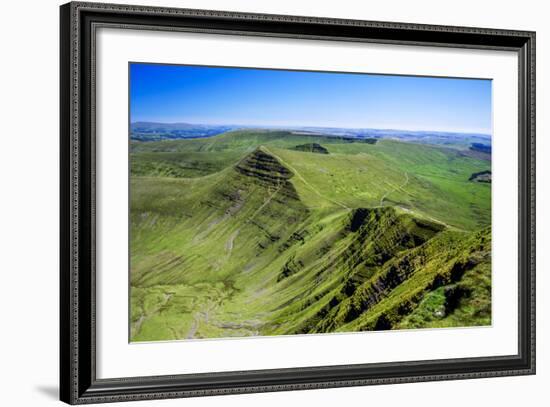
255, 203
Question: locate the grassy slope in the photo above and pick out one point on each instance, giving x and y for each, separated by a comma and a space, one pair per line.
428, 180
221, 248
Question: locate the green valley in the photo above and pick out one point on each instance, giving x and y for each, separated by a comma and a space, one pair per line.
268, 232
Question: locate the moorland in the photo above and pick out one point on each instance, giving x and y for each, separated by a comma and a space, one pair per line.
275, 232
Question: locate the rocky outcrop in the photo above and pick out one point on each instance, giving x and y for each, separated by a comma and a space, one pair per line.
264, 167
312, 148
482, 176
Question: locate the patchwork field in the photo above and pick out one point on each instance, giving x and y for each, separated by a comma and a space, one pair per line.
263, 232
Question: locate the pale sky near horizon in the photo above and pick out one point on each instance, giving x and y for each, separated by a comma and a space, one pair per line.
247, 96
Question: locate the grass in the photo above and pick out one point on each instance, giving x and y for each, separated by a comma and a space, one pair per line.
240, 234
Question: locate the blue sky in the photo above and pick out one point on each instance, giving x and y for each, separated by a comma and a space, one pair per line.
213, 95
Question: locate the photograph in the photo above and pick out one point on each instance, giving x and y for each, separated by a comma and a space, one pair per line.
257, 201
290, 202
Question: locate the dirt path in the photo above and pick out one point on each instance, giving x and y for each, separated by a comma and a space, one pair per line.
194, 327
198, 317
231, 241
395, 189
315, 190
235, 207
267, 201
143, 318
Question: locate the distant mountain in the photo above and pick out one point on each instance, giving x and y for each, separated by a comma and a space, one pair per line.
484, 148
417, 136
462, 140
156, 126
153, 131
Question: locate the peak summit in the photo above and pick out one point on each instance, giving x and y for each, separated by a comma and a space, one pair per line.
263, 165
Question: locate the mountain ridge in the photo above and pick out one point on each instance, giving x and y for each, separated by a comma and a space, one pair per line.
272, 253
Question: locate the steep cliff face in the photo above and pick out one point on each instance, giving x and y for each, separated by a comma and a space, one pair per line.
360, 273
236, 215
269, 190
394, 270
266, 169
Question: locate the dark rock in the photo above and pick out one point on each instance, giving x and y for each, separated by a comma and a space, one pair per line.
482, 176
312, 148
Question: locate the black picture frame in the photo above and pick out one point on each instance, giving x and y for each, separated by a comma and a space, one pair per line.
78, 382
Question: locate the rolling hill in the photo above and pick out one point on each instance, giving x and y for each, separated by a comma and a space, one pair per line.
241, 234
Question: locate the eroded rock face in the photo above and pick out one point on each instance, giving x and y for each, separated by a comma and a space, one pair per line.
381, 235
264, 167
312, 148
368, 275
483, 176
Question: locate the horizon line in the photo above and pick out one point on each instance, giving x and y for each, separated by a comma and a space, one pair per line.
260, 126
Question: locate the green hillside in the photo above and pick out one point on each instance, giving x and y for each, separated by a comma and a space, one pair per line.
242, 234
